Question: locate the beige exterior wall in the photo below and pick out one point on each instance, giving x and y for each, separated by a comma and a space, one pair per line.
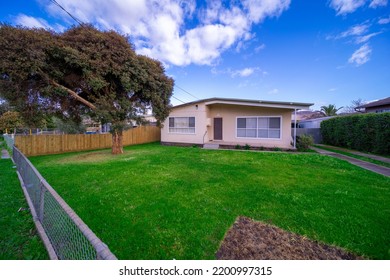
204, 116
378, 108
229, 114
199, 111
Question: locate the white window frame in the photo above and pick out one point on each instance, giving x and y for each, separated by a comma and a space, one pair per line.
178, 128
257, 128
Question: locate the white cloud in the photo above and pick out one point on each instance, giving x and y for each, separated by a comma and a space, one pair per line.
361, 55
358, 33
28, 21
332, 89
378, 3
32, 22
355, 30
346, 6
259, 48
384, 20
246, 72
273, 91
258, 10
243, 73
176, 31
343, 7
364, 39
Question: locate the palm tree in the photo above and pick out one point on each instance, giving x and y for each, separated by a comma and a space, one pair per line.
330, 110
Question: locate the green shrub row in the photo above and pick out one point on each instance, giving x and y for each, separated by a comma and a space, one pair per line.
363, 132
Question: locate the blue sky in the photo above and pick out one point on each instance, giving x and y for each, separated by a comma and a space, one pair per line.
322, 52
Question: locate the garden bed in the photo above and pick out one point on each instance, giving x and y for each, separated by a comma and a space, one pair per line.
251, 240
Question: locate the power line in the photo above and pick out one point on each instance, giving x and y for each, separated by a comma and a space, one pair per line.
187, 92
179, 100
62, 8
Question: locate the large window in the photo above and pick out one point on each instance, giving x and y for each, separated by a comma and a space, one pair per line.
184, 125
259, 127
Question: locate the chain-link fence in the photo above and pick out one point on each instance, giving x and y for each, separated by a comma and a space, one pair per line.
68, 236
9, 140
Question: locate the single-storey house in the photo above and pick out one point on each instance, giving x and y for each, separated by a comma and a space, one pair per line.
379, 106
229, 122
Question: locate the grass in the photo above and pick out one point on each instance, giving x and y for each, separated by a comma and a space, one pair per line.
18, 237
158, 202
378, 162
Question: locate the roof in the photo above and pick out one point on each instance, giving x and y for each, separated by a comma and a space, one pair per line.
381, 102
247, 102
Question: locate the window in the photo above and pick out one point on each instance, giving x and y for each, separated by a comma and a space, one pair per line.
259, 127
382, 111
185, 125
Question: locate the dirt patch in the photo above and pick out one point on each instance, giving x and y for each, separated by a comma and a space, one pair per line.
93, 157
251, 240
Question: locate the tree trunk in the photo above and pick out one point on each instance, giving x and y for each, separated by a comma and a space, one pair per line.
117, 142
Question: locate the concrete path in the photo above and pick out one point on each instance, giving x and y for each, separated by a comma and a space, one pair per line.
364, 164
4, 154
384, 159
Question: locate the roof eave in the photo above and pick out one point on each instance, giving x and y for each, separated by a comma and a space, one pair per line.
252, 103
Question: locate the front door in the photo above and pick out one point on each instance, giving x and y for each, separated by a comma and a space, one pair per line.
217, 128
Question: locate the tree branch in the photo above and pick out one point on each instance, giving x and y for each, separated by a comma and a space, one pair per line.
74, 94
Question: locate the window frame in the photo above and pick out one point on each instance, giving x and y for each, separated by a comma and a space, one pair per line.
189, 127
257, 127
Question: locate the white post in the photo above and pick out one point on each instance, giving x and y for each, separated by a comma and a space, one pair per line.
295, 128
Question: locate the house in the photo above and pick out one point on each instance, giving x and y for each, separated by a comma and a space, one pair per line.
379, 106
306, 115
229, 122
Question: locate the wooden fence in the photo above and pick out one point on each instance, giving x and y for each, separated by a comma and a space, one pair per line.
32, 145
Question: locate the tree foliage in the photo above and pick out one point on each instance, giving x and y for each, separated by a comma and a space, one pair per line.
10, 120
354, 104
4, 107
68, 126
80, 71
330, 110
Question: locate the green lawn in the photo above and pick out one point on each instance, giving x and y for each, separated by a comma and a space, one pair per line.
158, 202
18, 237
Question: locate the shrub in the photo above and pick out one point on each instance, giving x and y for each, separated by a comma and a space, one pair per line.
247, 147
304, 142
365, 132
238, 147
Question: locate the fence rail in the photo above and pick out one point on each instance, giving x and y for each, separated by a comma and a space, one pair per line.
65, 235
32, 145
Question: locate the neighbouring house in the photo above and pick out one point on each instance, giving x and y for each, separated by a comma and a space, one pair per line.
379, 106
230, 122
306, 115
149, 119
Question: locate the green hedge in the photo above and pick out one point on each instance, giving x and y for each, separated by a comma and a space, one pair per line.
363, 132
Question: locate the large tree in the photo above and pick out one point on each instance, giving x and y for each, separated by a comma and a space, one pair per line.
82, 71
